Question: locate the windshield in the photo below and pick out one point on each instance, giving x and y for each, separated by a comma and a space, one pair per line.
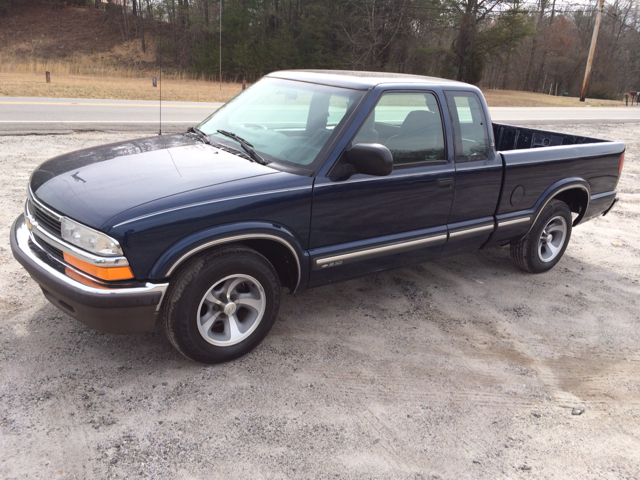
284, 120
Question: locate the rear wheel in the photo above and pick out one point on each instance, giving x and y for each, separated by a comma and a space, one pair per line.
222, 304
542, 248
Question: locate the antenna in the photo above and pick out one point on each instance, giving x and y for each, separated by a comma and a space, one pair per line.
220, 43
160, 54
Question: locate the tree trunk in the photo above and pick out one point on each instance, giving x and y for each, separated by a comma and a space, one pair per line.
173, 31
544, 55
505, 78
465, 42
144, 49
534, 47
126, 23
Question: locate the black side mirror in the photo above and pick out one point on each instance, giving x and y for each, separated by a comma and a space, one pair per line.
370, 159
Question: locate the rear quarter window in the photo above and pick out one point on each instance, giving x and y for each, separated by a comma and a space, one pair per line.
469, 126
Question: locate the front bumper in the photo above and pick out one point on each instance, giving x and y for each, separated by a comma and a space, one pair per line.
124, 309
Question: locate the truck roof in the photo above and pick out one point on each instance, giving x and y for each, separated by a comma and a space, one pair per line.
360, 80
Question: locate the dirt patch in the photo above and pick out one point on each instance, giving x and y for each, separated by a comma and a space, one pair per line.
48, 32
461, 368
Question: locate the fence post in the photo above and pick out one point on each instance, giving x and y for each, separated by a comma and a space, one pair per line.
48, 76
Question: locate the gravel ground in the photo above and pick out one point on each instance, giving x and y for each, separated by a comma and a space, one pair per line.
461, 368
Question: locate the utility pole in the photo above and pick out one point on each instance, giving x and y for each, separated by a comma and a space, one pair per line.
592, 49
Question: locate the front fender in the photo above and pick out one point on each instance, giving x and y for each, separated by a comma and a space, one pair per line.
197, 242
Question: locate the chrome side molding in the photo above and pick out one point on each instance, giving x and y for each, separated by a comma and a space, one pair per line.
333, 261
470, 232
250, 236
515, 221
555, 194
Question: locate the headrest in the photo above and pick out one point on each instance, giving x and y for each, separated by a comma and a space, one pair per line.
418, 120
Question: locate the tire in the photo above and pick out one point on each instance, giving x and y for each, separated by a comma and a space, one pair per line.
542, 248
222, 304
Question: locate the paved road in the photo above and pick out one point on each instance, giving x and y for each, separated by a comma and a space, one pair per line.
63, 115
566, 115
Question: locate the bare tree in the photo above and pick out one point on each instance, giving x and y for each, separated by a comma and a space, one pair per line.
369, 28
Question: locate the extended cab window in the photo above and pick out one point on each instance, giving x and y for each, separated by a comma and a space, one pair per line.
408, 124
469, 126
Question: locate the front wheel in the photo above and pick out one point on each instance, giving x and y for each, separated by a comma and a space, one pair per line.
222, 304
544, 245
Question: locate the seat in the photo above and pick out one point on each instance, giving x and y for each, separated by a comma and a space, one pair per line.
420, 139
368, 132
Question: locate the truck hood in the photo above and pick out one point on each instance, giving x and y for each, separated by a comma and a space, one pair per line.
94, 184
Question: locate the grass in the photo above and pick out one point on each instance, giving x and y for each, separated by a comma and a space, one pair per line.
110, 87
513, 98
29, 81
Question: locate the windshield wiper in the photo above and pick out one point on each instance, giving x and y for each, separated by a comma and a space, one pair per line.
203, 136
246, 146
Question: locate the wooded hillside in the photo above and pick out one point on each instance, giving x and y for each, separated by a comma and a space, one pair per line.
519, 45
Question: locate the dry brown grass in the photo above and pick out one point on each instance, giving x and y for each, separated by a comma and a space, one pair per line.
123, 85
513, 98
77, 64
124, 60
109, 87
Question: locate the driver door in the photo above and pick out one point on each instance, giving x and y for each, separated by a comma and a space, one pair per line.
363, 223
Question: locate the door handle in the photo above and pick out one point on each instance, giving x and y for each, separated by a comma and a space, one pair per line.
445, 183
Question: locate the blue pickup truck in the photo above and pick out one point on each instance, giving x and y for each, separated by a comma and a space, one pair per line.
304, 179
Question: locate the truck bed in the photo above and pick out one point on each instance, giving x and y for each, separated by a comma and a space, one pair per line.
538, 163
510, 137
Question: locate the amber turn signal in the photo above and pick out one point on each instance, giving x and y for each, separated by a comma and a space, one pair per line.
103, 273
71, 273
621, 163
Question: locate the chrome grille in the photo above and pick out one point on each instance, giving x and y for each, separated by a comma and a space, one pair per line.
47, 221
57, 253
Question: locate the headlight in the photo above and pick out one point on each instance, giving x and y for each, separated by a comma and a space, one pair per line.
89, 239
